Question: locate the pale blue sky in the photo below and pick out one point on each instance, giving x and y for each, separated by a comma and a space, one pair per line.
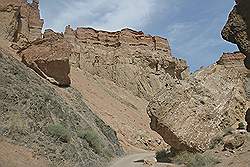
192, 26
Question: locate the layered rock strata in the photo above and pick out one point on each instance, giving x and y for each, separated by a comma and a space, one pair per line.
20, 21
135, 61
188, 114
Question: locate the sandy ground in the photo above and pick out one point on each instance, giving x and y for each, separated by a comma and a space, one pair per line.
120, 109
16, 156
134, 160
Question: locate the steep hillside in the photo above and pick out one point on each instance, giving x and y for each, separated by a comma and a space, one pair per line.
54, 123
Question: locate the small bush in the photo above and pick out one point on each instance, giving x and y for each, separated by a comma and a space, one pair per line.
162, 156
93, 140
241, 125
195, 160
217, 140
60, 132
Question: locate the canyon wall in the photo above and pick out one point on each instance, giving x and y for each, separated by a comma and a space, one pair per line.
189, 113
137, 62
20, 20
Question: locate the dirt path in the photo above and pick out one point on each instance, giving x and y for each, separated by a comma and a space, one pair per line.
135, 160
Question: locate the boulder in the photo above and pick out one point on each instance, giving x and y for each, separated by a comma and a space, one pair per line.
49, 57
189, 113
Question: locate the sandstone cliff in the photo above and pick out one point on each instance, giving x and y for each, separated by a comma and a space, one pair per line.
117, 73
237, 28
188, 114
237, 31
132, 60
20, 21
49, 57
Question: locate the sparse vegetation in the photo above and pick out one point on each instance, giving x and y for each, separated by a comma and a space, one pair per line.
241, 125
93, 140
60, 132
195, 160
162, 156
217, 140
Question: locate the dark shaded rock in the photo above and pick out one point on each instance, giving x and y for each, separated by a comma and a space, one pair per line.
237, 29
247, 118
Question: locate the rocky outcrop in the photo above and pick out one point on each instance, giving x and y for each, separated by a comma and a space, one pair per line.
49, 57
137, 62
189, 113
237, 28
20, 21
232, 59
52, 123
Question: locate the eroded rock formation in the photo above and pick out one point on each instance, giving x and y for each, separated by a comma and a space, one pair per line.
135, 61
49, 57
189, 113
20, 20
237, 28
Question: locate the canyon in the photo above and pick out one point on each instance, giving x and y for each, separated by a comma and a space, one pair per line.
84, 97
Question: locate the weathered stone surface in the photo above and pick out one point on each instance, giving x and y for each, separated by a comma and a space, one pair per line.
232, 59
137, 62
234, 141
189, 113
49, 57
20, 20
237, 29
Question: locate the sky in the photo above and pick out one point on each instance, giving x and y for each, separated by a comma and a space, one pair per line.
192, 26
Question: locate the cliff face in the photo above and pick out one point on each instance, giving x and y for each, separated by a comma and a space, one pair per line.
20, 21
188, 114
114, 71
137, 62
49, 57
237, 28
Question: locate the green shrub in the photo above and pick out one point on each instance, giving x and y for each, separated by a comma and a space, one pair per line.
162, 155
60, 132
195, 160
217, 140
241, 125
93, 140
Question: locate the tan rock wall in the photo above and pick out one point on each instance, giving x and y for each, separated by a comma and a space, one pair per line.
135, 61
188, 114
20, 21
